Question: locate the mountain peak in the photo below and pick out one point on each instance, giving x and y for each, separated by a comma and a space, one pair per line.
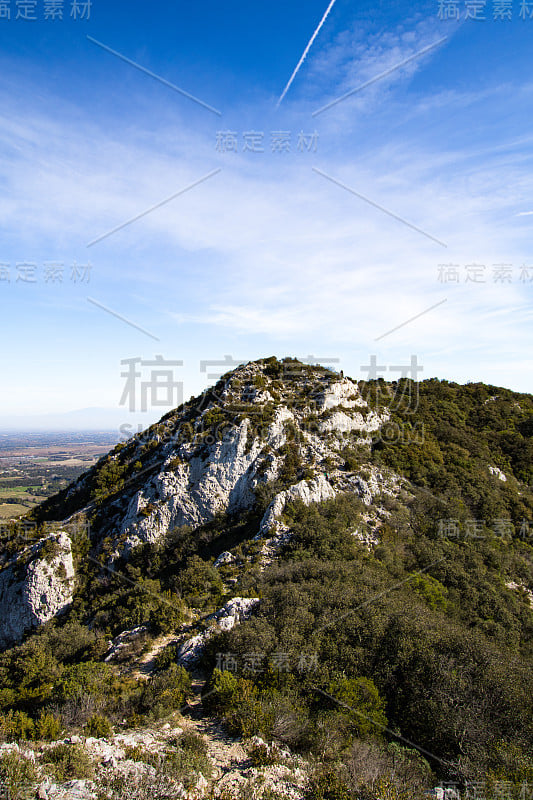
268, 422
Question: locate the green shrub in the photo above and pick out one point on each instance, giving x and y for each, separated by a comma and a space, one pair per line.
17, 776
50, 549
141, 755
193, 743
165, 658
168, 615
166, 692
48, 727
366, 707
69, 761
99, 727
261, 755
199, 581
326, 784
188, 760
17, 725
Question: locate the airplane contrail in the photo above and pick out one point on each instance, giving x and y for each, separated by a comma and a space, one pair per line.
305, 53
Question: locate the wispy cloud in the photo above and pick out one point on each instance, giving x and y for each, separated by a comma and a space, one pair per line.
380, 76
267, 254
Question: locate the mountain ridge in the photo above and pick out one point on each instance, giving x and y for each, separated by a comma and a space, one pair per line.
373, 539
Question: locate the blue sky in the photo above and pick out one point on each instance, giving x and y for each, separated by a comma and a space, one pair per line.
317, 251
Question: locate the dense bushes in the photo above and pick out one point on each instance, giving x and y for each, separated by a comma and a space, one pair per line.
424, 645
42, 694
165, 692
466, 429
354, 652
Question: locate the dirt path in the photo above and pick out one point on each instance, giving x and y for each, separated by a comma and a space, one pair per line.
146, 664
226, 752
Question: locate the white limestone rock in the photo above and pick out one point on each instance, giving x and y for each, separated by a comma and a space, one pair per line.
311, 491
36, 586
520, 587
224, 558
198, 489
123, 640
498, 474
344, 423
342, 393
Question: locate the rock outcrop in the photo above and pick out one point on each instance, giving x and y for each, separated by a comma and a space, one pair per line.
233, 612
35, 586
217, 467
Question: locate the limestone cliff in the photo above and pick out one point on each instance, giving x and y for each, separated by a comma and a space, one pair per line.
35, 586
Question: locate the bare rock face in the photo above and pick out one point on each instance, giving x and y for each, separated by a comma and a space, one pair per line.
342, 393
313, 491
35, 587
264, 422
496, 471
224, 558
223, 480
193, 484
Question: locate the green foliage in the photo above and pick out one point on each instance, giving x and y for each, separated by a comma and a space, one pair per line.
466, 429
236, 699
431, 590
139, 754
85, 678
326, 784
193, 743
109, 479
199, 581
292, 464
167, 615
188, 759
166, 657
17, 725
49, 550
420, 633
425, 640
365, 707
165, 692
99, 727
261, 755
18, 776
69, 761
48, 727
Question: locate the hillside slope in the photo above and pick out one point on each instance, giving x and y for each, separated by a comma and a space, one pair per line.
347, 566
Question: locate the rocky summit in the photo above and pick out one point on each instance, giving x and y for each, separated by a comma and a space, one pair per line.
295, 585
209, 457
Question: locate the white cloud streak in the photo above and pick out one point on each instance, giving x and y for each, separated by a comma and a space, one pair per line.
305, 53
